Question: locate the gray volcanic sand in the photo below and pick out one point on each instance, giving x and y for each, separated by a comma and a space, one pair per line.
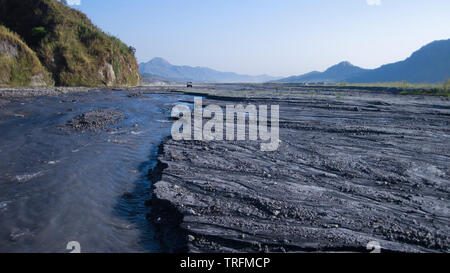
355, 165
352, 167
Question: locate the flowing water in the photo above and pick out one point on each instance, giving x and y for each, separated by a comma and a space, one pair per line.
59, 185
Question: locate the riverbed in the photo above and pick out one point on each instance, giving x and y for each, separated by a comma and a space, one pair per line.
355, 169
60, 184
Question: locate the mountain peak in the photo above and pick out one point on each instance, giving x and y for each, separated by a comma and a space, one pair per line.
342, 69
344, 63
159, 61
335, 73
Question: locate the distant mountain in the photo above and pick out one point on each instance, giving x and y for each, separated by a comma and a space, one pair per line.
158, 67
430, 64
336, 73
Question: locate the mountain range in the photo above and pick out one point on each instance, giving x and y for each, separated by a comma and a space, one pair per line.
160, 69
430, 64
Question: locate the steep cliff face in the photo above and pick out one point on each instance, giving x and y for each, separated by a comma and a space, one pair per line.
19, 65
74, 51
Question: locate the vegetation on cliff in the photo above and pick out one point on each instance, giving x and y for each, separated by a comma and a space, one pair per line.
19, 65
69, 46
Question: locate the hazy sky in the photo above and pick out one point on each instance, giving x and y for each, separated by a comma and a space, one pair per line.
276, 37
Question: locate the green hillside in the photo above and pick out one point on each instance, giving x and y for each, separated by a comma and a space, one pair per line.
19, 65
69, 46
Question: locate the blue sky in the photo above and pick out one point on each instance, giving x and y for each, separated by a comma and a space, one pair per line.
276, 37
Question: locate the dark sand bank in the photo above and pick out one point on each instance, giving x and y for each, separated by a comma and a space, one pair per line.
353, 166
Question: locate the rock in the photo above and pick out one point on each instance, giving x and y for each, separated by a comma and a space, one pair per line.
107, 74
38, 80
98, 119
190, 212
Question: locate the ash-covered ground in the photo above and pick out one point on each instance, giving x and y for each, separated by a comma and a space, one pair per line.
353, 166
